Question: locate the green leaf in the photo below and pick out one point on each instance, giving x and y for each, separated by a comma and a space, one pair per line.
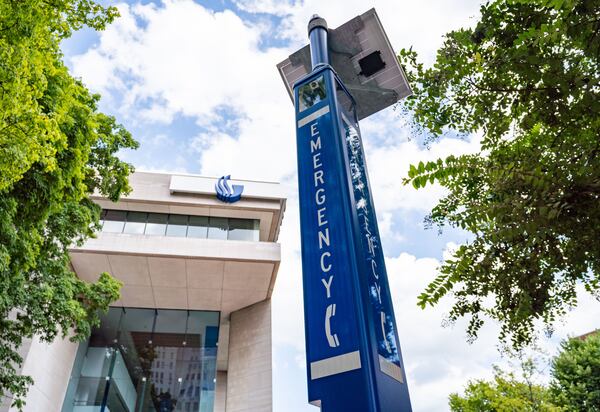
412, 171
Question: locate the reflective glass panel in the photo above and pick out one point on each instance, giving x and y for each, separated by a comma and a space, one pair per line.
157, 224
217, 228
198, 227
177, 225
136, 222
147, 360
180, 225
243, 229
114, 220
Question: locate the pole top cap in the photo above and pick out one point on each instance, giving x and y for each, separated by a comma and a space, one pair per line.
316, 21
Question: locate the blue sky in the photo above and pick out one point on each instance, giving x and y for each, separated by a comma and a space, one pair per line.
196, 84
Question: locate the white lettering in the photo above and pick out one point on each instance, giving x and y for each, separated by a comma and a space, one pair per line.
321, 216
324, 268
313, 129
323, 237
320, 199
315, 145
327, 285
319, 177
371, 244
323, 234
316, 161
373, 268
378, 289
332, 338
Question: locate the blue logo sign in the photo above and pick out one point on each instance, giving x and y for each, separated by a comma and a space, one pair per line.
354, 362
226, 193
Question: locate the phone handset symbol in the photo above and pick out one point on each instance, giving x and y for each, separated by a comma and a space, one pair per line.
387, 343
332, 339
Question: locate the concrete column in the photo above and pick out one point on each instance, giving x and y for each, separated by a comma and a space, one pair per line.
49, 364
220, 392
249, 375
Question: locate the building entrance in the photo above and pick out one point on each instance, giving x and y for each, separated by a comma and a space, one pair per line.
146, 360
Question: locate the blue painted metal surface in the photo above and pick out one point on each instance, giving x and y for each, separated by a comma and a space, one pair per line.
227, 193
317, 32
354, 362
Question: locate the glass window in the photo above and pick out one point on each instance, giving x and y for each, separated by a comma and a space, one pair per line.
157, 224
198, 226
217, 228
136, 221
114, 220
243, 229
177, 225
125, 347
162, 224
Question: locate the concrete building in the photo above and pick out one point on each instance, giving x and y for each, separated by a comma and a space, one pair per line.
192, 330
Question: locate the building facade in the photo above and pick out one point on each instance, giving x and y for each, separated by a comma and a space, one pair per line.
192, 329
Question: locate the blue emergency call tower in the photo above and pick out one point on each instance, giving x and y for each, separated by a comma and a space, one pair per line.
354, 361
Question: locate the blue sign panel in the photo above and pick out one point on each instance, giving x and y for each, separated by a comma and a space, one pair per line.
330, 289
226, 193
353, 355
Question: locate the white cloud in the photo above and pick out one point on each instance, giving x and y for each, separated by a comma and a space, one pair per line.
274, 7
182, 58
288, 320
438, 360
389, 162
420, 24
582, 319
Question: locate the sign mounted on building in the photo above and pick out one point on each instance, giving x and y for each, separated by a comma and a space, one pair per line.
226, 192
354, 361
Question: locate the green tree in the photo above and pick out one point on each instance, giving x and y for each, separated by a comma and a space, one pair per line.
526, 78
56, 150
505, 393
576, 375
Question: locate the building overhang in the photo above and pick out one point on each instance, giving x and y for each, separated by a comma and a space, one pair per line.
181, 273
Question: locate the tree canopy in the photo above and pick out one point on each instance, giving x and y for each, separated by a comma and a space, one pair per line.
505, 393
526, 79
574, 385
576, 375
56, 150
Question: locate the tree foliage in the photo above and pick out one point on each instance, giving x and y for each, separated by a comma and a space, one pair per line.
576, 375
525, 78
56, 149
575, 383
505, 393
